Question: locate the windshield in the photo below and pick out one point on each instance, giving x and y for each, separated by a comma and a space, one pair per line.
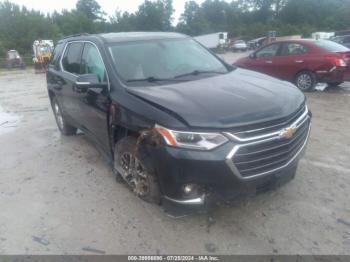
163, 59
331, 46
44, 49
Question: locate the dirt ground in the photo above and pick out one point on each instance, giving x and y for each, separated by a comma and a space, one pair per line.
59, 196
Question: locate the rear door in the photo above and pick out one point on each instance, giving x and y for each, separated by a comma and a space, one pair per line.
264, 61
293, 58
55, 79
71, 70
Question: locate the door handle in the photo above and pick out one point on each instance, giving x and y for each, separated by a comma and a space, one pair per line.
268, 62
299, 61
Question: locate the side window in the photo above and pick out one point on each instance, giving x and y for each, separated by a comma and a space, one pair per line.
346, 40
293, 49
72, 58
268, 51
55, 62
92, 63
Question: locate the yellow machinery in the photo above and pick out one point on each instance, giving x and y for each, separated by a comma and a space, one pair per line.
42, 55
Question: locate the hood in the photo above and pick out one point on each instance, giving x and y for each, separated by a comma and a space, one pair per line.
239, 98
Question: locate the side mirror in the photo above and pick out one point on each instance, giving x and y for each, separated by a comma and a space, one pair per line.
252, 56
85, 82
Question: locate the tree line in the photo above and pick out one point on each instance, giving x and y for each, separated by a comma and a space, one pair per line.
20, 26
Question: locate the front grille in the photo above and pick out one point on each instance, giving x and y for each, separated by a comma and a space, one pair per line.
271, 127
263, 157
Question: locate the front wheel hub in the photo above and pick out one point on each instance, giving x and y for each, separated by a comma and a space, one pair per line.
135, 174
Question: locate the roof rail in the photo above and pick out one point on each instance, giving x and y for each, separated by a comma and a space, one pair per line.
76, 35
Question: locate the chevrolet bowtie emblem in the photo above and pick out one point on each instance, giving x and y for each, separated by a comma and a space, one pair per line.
287, 133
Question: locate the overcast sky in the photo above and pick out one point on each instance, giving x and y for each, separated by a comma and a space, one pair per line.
109, 6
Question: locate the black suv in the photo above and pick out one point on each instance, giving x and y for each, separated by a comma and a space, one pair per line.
344, 40
181, 127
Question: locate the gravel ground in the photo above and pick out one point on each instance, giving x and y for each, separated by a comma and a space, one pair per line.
58, 195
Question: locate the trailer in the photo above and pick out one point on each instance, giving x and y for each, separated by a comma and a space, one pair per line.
214, 40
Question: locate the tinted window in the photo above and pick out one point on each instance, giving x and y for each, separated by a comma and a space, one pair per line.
57, 56
331, 46
91, 62
163, 59
270, 50
72, 58
293, 49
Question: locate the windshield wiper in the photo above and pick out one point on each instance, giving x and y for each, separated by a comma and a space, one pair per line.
152, 79
199, 72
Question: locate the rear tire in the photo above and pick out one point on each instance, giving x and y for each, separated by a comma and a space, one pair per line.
65, 128
137, 168
306, 81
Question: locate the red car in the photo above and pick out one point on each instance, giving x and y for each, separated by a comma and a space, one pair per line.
303, 62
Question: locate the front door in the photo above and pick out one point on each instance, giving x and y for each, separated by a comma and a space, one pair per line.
94, 103
264, 60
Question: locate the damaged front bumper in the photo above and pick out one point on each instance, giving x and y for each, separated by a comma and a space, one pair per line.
215, 197
216, 175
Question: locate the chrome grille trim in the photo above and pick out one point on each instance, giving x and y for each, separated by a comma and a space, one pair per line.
267, 138
296, 124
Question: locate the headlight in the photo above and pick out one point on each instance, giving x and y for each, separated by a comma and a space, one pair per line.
191, 140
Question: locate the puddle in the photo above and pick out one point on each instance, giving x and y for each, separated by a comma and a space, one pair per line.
322, 86
345, 88
8, 121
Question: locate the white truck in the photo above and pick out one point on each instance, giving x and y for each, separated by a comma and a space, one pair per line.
213, 40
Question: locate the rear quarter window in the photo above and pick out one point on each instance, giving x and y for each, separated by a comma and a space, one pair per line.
56, 57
